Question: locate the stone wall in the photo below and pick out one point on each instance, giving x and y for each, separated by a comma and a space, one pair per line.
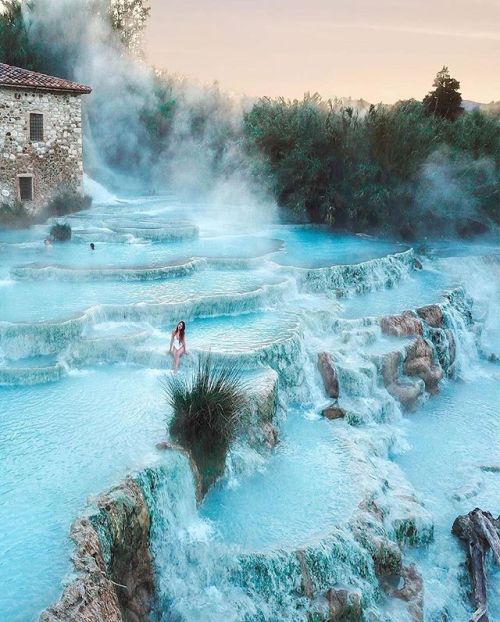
54, 163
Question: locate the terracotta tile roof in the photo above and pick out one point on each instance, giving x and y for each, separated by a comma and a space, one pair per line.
13, 77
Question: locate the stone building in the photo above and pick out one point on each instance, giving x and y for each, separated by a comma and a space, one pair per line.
40, 136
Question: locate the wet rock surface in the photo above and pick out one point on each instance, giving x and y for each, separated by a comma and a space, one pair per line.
343, 605
407, 324
334, 411
426, 360
419, 362
431, 315
113, 561
411, 591
376, 535
479, 532
269, 435
406, 391
329, 374
91, 597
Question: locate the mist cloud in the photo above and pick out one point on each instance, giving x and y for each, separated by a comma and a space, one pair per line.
201, 153
449, 187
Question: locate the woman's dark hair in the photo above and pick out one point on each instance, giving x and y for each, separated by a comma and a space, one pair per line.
180, 331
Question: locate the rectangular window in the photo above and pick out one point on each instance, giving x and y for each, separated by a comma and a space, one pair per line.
26, 188
36, 127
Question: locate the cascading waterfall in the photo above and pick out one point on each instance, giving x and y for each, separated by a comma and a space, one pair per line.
278, 575
269, 585
337, 507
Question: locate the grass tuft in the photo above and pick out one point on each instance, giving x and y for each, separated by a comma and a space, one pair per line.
60, 232
207, 407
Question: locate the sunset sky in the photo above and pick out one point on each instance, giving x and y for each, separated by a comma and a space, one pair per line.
381, 50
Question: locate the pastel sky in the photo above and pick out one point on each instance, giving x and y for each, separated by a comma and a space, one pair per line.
381, 50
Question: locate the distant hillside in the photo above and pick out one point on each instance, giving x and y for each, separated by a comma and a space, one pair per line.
492, 107
362, 106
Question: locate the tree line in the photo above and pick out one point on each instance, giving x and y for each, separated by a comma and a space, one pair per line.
411, 168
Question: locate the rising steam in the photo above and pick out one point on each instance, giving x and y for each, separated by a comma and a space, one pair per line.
133, 141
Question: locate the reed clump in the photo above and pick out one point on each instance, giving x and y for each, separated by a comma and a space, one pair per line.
207, 409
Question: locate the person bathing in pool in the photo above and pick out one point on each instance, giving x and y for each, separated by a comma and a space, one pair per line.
178, 343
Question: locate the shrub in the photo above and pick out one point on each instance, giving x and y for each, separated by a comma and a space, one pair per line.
61, 232
207, 409
14, 214
67, 202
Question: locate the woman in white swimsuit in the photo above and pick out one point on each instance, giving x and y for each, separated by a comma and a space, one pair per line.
178, 343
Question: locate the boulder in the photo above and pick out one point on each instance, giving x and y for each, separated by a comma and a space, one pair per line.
343, 605
328, 374
412, 592
334, 411
113, 562
432, 315
407, 393
407, 324
419, 363
391, 367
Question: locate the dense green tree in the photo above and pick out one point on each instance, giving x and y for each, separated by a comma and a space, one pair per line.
16, 47
445, 100
127, 18
394, 168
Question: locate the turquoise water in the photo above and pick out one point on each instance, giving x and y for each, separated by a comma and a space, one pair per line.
83, 341
454, 441
29, 301
311, 450
314, 248
420, 289
59, 443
